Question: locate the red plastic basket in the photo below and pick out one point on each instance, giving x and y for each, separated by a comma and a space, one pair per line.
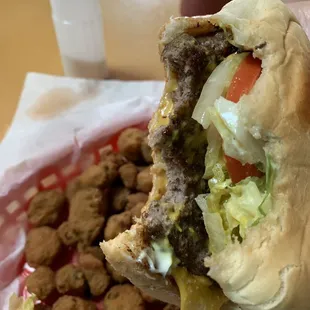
56, 175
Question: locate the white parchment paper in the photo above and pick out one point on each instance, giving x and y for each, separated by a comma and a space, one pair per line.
115, 105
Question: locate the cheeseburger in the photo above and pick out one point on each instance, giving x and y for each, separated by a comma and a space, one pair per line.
227, 223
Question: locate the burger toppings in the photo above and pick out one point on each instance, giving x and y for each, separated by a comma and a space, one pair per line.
229, 210
239, 190
243, 81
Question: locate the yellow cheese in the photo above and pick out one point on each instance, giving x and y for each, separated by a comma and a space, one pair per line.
198, 292
159, 179
172, 83
165, 109
161, 118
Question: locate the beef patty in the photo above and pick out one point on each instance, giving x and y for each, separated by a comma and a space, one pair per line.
183, 145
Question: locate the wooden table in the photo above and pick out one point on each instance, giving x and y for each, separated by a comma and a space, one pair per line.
28, 43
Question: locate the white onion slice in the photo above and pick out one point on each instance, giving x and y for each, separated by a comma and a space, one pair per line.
237, 140
216, 86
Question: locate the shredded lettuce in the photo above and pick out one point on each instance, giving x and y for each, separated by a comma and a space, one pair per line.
218, 238
216, 86
18, 303
214, 153
243, 205
231, 209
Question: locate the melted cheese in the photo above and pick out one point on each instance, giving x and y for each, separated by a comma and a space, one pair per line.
198, 292
161, 118
159, 180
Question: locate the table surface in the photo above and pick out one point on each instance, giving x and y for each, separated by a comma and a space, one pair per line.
28, 43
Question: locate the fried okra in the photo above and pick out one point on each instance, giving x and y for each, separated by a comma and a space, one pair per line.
93, 250
86, 217
41, 282
136, 210
125, 297
42, 246
72, 188
73, 303
134, 199
144, 181
110, 169
46, 208
120, 198
129, 143
67, 234
146, 151
128, 173
87, 204
82, 232
96, 176
70, 279
109, 155
97, 277
117, 224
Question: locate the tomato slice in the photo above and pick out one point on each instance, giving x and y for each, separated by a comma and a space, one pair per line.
242, 82
244, 78
239, 172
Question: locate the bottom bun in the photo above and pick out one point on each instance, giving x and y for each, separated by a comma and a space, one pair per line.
123, 254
